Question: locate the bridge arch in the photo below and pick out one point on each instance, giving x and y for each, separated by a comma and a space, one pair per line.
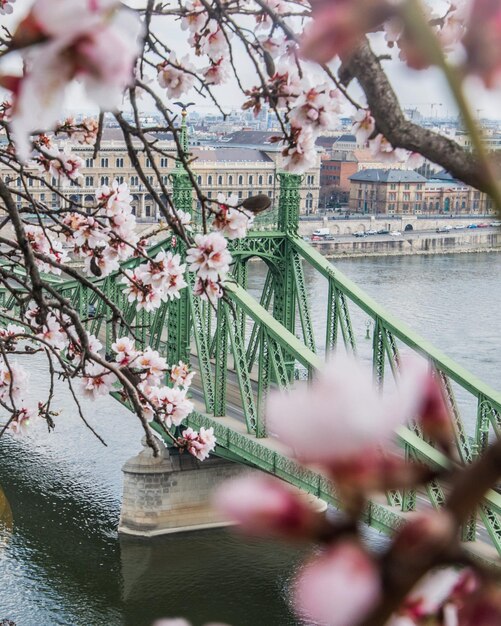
408, 227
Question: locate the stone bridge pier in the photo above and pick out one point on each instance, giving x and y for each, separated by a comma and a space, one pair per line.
171, 493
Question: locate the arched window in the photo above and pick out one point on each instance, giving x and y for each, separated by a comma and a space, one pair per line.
119, 162
270, 179
219, 180
251, 179
199, 180
89, 162
230, 180
309, 201
104, 180
260, 179
209, 180
104, 162
89, 181
240, 180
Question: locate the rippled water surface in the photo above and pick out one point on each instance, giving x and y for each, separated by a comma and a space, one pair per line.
61, 561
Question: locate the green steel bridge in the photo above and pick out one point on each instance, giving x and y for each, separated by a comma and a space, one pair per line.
248, 346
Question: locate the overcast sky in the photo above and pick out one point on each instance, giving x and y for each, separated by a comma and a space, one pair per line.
424, 90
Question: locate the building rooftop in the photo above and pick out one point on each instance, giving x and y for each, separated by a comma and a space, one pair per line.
229, 154
388, 176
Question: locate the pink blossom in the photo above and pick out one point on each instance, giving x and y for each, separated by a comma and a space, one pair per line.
200, 444
11, 330
97, 381
340, 414
172, 404
431, 593
100, 262
207, 289
125, 351
177, 77
317, 106
482, 41
96, 42
40, 243
382, 149
209, 258
86, 230
302, 155
53, 333
263, 505
6, 6
21, 421
217, 73
13, 382
165, 274
196, 16
363, 125
154, 364
145, 295
212, 42
338, 26
339, 587
180, 375
230, 221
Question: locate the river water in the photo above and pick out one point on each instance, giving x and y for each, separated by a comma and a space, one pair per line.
61, 562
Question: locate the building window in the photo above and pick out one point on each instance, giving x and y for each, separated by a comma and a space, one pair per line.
209, 180
149, 179
251, 179
260, 179
134, 181
163, 162
230, 180
219, 180
199, 180
407, 186
147, 162
104, 162
119, 162
148, 210
104, 180
89, 162
89, 181
120, 179
240, 181
270, 179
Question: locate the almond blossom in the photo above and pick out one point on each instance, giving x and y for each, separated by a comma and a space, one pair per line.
177, 77
154, 365
40, 243
207, 289
212, 41
97, 381
338, 588
317, 106
13, 382
200, 444
96, 42
363, 125
230, 221
53, 333
302, 154
349, 423
6, 6
172, 404
217, 73
382, 149
266, 506
209, 258
180, 375
125, 351
195, 17
21, 421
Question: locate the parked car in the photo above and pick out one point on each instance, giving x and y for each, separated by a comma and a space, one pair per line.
443, 229
360, 233
460, 227
483, 225
321, 232
495, 223
472, 226
396, 233
383, 231
371, 232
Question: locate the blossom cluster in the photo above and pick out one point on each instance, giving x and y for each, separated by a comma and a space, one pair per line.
343, 425
96, 42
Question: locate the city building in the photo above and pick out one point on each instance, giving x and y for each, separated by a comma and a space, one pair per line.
243, 168
400, 192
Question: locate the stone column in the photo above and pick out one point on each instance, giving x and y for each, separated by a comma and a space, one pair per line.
171, 493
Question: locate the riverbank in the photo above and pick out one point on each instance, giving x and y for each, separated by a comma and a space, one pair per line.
411, 243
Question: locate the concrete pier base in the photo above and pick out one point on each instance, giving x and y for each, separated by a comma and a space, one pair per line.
171, 493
